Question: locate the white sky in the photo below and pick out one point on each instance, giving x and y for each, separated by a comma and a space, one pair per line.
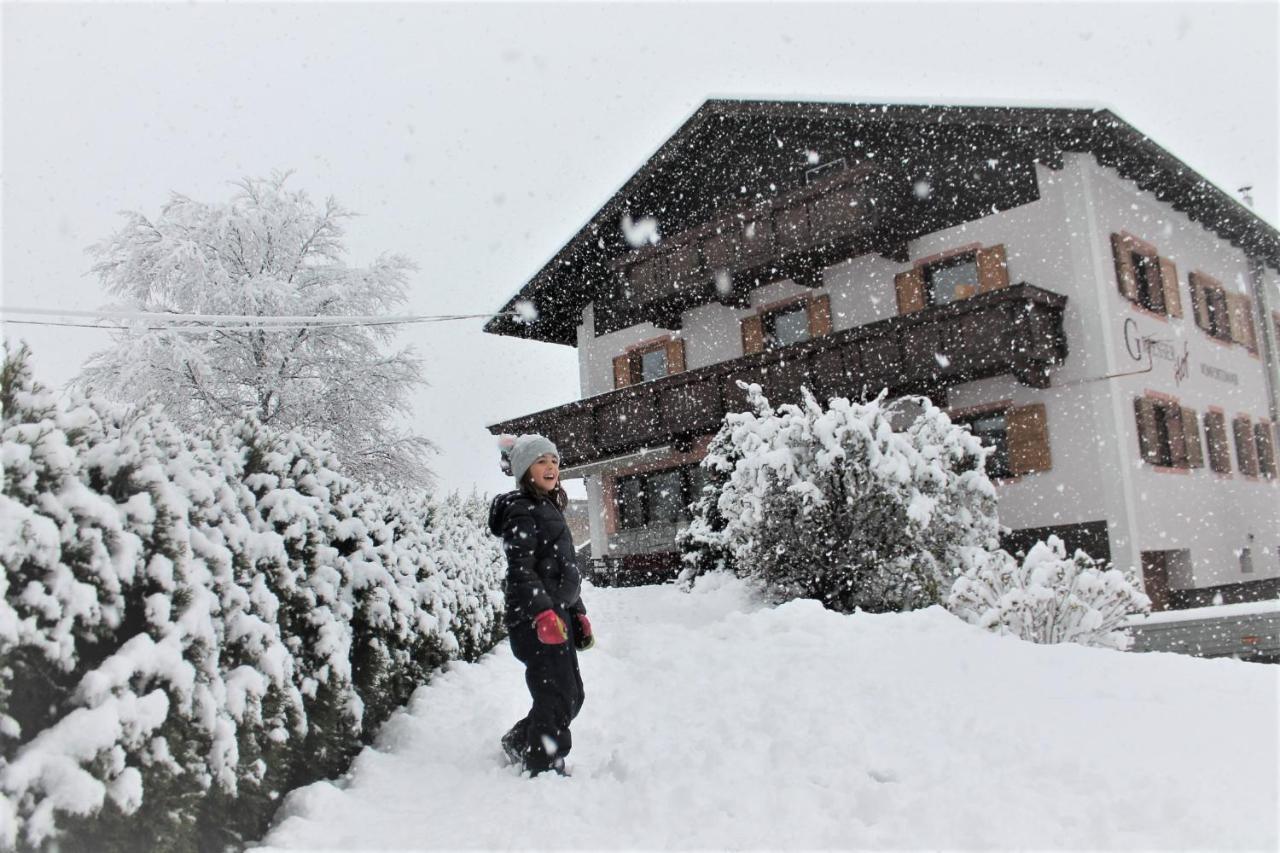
477, 139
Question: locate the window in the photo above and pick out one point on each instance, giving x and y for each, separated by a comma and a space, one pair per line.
952, 279
1017, 435
631, 502
1146, 272
1223, 316
960, 275
1215, 432
653, 364
786, 326
1168, 434
665, 499
1145, 278
1218, 322
649, 361
1246, 448
658, 497
992, 430
789, 323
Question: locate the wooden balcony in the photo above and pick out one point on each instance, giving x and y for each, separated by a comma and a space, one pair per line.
1015, 330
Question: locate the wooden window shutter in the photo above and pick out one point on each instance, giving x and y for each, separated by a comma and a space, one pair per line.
1148, 445
1246, 449
1191, 438
1172, 415
1169, 281
819, 316
1266, 449
910, 288
1127, 280
1240, 312
622, 371
753, 335
1215, 433
993, 269
675, 356
1199, 300
1027, 428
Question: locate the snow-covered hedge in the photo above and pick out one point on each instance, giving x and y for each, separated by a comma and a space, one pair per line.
835, 504
191, 625
1049, 597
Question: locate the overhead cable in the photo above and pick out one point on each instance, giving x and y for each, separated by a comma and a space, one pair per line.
198, 323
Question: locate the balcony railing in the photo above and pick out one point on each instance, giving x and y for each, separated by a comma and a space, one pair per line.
1014, 330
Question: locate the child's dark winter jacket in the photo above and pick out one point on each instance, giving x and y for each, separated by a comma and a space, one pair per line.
542, 571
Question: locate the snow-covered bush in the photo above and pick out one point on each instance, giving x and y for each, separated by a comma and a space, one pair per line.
1049, 597
193, 624
834, 504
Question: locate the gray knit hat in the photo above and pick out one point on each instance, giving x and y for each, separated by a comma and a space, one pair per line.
525, 451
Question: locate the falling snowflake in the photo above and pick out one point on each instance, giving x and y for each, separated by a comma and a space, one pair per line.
642, 232
942, 360
526, 312
923, 189
811, 157
724, 282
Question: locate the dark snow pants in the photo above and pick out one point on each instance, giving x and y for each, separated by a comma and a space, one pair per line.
555, 685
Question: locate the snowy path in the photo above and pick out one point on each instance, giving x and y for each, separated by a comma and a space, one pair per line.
711, 722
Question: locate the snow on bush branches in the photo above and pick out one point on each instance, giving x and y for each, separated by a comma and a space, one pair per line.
835, 504
1049, 598
193, 624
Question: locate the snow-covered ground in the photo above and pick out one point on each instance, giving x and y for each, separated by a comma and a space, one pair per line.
714, 722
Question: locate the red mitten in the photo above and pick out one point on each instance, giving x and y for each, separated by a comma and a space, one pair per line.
550, 628
585, 639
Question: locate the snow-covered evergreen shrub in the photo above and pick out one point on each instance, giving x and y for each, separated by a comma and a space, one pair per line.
834, 504
1049, 597
192, 625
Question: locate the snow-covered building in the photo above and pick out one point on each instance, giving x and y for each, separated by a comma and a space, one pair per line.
1102, 315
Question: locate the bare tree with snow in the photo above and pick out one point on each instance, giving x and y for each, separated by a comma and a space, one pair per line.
269, 252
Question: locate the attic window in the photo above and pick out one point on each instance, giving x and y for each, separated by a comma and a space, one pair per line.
817, 173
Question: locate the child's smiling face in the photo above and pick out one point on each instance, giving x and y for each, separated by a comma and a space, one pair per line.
544, 473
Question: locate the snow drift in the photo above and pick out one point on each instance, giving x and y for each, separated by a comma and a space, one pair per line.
714, 722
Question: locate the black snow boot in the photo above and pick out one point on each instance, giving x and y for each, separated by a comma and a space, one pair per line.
557, 767
514, 743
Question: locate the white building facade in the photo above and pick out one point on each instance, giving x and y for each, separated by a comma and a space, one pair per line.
1149, 438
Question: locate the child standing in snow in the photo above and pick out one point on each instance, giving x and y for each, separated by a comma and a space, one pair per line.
546, 620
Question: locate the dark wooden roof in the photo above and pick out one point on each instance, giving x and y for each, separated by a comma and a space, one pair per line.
733, 152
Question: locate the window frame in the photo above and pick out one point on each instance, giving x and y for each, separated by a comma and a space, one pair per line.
1169, 426
1003, 413
1148, 281
641, 354
960, 258
1218, 310
769, 318
686, 497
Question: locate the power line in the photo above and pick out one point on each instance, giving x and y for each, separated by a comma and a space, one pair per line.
200, 323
